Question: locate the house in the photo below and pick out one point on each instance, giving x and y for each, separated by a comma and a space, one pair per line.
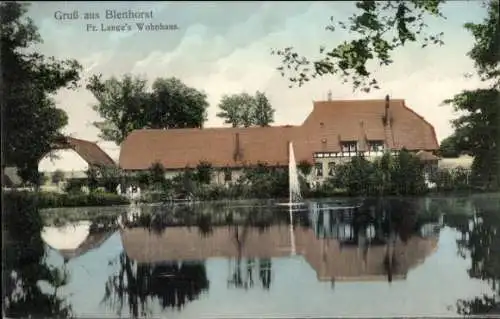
328, 257
334, 132
75, 239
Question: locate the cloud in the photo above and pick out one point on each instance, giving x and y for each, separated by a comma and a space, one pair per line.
225, 49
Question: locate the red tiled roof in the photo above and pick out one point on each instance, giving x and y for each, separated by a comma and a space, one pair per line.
329, 123
426, 156
179, 148
89, 151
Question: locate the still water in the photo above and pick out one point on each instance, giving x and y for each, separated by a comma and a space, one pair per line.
352, 258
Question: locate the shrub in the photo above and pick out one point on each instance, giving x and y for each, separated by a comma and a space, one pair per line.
110, 177
305, 167
156, 174
452, 180
57, 177
389, 175
92, 178
74, 185
51, 200
204, 172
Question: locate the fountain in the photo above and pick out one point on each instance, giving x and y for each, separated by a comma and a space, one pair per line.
293, 177
294, 195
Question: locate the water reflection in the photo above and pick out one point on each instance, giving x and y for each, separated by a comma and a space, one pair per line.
30, 285
348, 242
136, 285
166, 258
479, 242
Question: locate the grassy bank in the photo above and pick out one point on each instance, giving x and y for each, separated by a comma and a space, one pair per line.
53, 200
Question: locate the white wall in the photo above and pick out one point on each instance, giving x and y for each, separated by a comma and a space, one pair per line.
66, 161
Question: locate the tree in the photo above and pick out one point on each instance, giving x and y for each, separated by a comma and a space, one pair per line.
237, 109
92, 178
157, 174
246, 110
379, 28
127, 105
263, 113
29, 80
305, 167
477, 131
57, 176
175, 105
204, 172
448, 147
121, 103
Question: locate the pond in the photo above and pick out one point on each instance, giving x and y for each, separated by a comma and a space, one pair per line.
332, 258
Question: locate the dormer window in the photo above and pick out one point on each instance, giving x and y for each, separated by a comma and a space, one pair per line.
349, 146
376, 146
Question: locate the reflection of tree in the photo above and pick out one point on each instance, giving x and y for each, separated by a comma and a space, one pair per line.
237, 279
173, 284
481, 242
265, 272
24, 264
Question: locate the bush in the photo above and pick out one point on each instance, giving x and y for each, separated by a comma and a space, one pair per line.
74, 185
57, 177
204, 172
50, 200
457, 179
389, 175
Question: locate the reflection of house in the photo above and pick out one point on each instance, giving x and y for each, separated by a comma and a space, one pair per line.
74, 240
333, 132
328, 257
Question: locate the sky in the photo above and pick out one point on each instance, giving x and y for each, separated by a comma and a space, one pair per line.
225, 48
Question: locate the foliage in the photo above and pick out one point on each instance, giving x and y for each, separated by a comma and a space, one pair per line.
203, 172
51, 199
480, 244
246, 110
185, 182
24, 265
305, 167
57, 176
452, 180
92, 178
42, 179
389, 175
29, 79
448, 147
265, 181
263, 112
127, 105
139, 285
157, 174
407, 176
477, 131
74, 185
109, 177
379, 28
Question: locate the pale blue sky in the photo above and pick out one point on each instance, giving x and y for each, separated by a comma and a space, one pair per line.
224, 48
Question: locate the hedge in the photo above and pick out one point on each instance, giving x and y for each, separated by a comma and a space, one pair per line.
53, 200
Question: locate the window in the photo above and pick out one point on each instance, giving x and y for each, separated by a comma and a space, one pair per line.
349, 147
318, 169
227, 175
376, 146
331, 168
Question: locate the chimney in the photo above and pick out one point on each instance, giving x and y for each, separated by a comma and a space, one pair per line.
237, 148
386, 112
329, 95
